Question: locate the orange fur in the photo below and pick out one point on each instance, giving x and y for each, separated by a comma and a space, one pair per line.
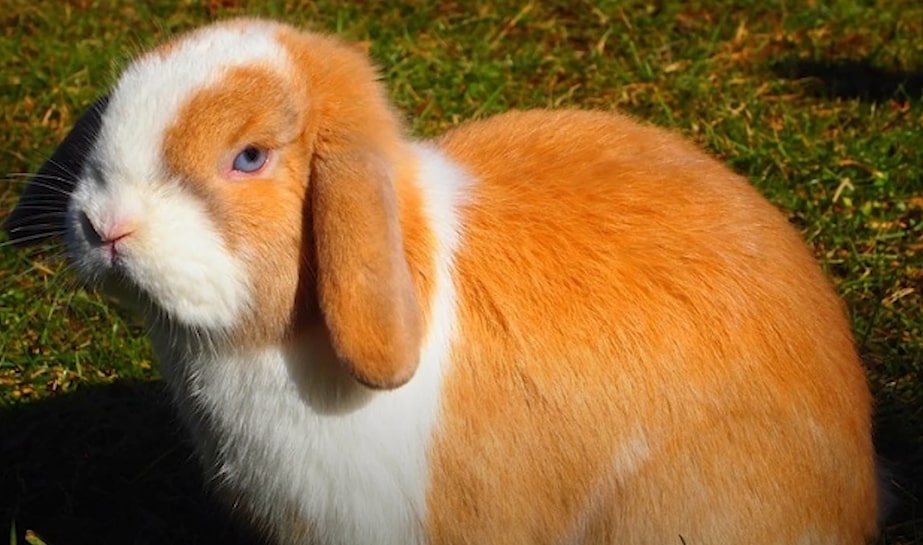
364, 285
336, 223
263, 215
644, 343
364, 281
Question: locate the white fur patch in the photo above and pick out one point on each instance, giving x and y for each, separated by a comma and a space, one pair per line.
153, 89
175, 254
296, 439
626, 462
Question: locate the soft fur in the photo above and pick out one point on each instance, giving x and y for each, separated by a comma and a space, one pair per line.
545, 327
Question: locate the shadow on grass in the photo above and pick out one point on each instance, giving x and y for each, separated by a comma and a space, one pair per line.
899, 444
853, 79
107, 464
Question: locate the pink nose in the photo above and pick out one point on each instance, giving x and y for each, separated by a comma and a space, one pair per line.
108, 232
111, 230
111, 236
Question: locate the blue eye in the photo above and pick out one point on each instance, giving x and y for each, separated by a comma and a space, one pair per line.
250, 160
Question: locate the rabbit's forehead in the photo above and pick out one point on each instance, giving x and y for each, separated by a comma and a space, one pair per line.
153, 90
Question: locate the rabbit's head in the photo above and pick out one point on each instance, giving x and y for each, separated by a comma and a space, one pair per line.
243, 183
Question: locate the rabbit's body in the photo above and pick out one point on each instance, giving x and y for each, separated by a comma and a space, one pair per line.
545, 327
576, 287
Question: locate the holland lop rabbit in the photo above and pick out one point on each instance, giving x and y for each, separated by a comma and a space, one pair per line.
546, 327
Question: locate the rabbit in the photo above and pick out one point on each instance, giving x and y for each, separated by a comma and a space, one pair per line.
542, 327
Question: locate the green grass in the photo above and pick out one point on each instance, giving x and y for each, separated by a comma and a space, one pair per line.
819, 103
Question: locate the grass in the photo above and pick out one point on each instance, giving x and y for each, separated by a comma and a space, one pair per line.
819, 103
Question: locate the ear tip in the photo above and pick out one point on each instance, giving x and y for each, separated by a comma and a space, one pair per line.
393, 366
391, 381
385, 377
393, 360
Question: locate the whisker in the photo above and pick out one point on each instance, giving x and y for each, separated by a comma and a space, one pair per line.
48, 205
40, 183
28, 238
19, 176
42, 196
58, 225
22, 174
49, 196
87, 143
61, 166
32, 236
45, 212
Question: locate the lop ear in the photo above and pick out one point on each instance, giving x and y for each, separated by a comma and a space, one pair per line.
39, 214
364, 285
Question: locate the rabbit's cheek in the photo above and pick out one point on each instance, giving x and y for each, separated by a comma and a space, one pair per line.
160, 240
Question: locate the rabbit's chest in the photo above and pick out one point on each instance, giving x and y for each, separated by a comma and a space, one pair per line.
317, 459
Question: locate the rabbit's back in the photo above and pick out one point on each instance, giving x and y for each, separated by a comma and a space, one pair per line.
646, 352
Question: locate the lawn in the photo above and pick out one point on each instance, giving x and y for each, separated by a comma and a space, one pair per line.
820, 104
